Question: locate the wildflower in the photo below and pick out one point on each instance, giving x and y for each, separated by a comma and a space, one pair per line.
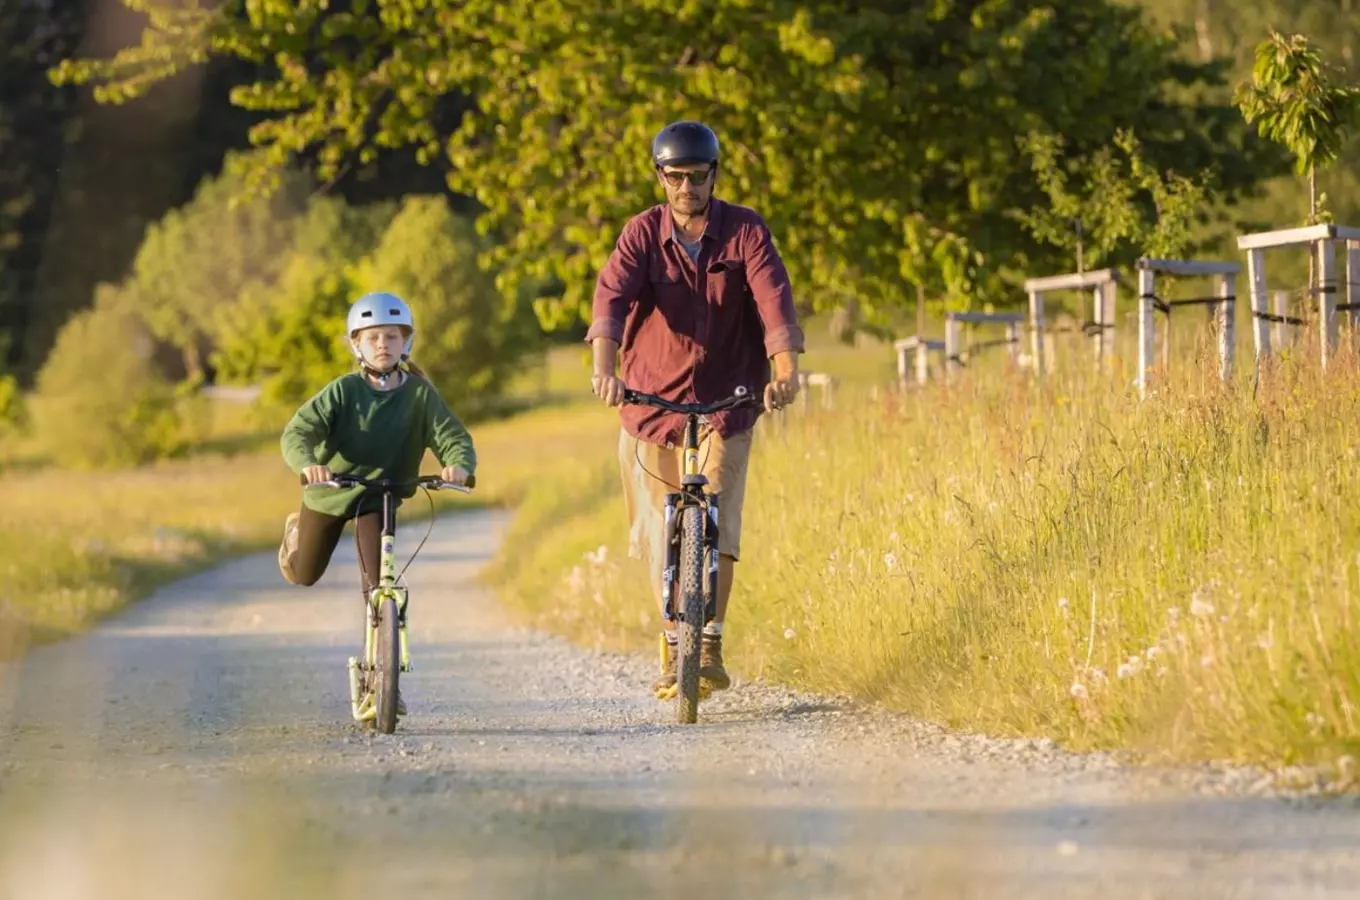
1265, 641
1206, 661
894, 538
790, 634
890, 561
1098, 676
1078, 691
1062, 604
1130, 668
1201, 608
1153, 653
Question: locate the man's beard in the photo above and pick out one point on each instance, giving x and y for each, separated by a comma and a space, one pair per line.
689, 205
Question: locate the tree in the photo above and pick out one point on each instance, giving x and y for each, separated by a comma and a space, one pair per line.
196, 261
292, 340
34, 120
101, 400
1294, 100
876, 141
1125, 206
470, 337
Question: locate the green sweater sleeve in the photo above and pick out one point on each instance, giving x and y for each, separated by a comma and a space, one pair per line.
309, 427
448, 437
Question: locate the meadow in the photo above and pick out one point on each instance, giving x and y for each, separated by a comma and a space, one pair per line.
1173, 577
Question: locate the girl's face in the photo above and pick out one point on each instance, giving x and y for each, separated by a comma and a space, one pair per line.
381, 345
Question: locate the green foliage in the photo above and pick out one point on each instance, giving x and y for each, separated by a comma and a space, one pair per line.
1294, 100
13, 412
876, 140
292, 343
1126, 208
469, 338
196, 262
101, 400
291, 336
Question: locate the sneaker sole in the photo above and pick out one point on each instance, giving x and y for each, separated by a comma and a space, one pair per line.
670, 693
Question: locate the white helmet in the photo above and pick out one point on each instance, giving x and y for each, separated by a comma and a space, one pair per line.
381, 308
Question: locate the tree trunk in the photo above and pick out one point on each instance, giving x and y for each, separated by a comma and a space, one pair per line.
193, 361
1348, 29
1312, 197
1312, 220
920, 310
1203, 37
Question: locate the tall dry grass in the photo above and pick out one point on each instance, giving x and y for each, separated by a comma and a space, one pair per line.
75, 546
1175, 576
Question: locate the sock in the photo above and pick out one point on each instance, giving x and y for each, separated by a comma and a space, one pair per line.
713, 629
672, 637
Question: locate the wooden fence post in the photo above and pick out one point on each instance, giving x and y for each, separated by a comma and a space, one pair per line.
1256, 274
1227, 324
1036, 330
1326, 253
1147, 330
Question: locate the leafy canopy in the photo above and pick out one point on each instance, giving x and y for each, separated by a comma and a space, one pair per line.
876, 139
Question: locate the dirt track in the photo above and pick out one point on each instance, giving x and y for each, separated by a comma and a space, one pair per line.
199, 745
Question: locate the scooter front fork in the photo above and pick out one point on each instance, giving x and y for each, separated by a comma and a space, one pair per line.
670, 570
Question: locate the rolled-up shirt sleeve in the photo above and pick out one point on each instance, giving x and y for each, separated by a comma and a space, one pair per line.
619, 283
769, 282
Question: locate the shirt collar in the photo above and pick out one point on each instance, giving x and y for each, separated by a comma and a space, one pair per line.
712, 228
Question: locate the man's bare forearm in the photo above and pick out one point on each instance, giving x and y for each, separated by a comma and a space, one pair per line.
785, 365
605, 353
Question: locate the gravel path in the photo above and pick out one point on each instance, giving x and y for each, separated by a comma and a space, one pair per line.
199, 745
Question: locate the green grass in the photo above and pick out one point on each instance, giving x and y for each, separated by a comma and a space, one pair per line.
1174, 578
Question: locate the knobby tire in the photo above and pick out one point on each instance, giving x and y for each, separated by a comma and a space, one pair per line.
389, 666
692, 613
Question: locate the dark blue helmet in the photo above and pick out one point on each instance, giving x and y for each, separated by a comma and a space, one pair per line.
685, 142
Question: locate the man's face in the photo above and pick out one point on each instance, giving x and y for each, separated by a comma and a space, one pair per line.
684, 195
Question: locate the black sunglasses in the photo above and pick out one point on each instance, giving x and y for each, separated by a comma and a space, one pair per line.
675, 179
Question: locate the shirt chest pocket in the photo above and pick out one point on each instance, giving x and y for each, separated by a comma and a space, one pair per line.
727, 282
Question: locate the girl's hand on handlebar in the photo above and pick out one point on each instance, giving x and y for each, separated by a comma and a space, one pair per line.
454, 475
316, 474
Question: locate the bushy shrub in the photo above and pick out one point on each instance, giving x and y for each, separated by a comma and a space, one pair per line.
101, 399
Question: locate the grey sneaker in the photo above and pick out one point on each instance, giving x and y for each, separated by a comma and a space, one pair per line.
288, 548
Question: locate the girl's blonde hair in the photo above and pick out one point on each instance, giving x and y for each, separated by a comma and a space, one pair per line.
415, 370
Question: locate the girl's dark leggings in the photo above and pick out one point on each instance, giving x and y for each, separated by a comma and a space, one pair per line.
318, 535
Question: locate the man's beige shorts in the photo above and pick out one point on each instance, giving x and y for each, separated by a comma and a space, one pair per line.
651, 471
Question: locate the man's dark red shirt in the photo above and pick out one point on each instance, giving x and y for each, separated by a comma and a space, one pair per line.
693, 331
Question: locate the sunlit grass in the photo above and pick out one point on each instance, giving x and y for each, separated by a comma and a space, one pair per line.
75, 546
1175, 576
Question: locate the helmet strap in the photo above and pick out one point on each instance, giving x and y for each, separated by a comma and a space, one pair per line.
380, 374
